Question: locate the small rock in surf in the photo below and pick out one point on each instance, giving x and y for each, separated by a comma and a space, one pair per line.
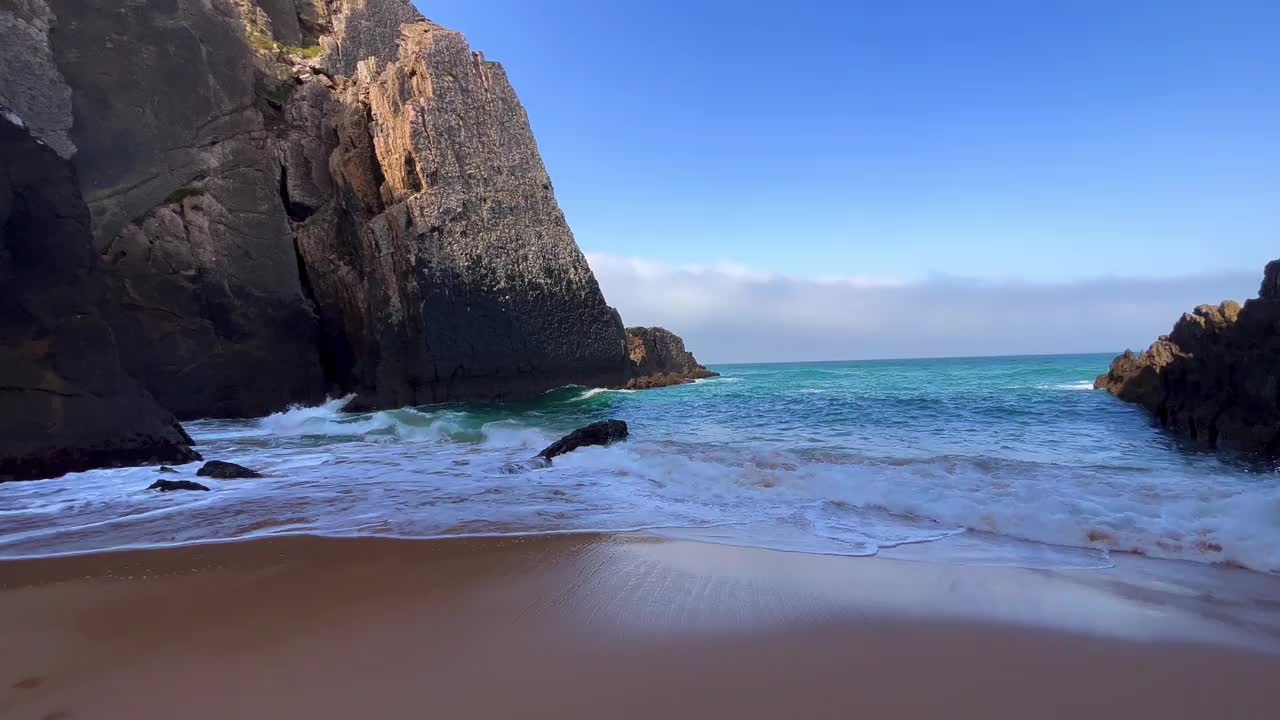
604, 432
226, 471
170, 485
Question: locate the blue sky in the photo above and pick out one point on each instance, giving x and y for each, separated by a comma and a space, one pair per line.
1042, 143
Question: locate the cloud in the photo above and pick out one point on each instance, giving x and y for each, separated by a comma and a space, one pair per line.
731, 313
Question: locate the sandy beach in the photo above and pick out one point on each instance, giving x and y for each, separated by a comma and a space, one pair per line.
621, 626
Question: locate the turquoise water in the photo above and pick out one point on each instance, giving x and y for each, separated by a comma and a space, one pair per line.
1016, 456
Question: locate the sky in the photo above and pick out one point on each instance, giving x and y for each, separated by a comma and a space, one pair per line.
819, 180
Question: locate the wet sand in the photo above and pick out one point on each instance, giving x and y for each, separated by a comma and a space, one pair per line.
622, 626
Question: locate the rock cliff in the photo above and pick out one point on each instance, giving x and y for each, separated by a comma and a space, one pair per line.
270, 201
292, 198
65, 402
1215, 378
657, 358
468, 283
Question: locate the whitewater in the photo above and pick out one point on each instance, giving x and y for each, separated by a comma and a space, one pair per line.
1012, 461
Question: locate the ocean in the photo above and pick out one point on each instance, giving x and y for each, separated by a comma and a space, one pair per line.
1005, 461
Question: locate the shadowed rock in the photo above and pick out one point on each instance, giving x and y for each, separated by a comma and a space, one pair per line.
171, 485
604, 432
65, 402
226, 471
1215, 379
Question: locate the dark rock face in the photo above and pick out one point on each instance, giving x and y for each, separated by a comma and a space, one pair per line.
657, 358
65, 402
605, 432
274, 226
226, 471
1215, 378
171, 485
177, 161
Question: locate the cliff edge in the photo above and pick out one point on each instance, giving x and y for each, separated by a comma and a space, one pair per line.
1214, 378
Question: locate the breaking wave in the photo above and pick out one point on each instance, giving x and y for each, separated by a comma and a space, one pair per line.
798, 458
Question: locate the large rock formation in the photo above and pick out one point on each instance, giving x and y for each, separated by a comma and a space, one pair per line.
286, 199
1215, 378
65, 402
657, 358
468, 283
299, 197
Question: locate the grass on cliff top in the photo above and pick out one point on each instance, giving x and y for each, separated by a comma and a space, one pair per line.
261, 42
311, 51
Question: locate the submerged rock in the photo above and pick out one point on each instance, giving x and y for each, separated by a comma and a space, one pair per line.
165, 469
1216, 377
604, 432
657, 358
523, 466
226, 471
171, 485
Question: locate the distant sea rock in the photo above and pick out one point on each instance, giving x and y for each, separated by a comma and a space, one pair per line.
1216, 377
65, 402
657, 358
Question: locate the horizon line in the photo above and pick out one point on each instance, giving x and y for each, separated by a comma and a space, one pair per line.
917, 357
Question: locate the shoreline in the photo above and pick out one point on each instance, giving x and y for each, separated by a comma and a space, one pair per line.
934, 550
620, 625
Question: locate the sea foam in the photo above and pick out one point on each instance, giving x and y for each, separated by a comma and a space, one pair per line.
1001, 452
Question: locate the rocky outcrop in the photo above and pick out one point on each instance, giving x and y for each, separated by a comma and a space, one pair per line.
1214, 379
657, 358
294, 198
605, 432
66, 404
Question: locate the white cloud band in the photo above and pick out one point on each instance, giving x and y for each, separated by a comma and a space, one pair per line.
730, 313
